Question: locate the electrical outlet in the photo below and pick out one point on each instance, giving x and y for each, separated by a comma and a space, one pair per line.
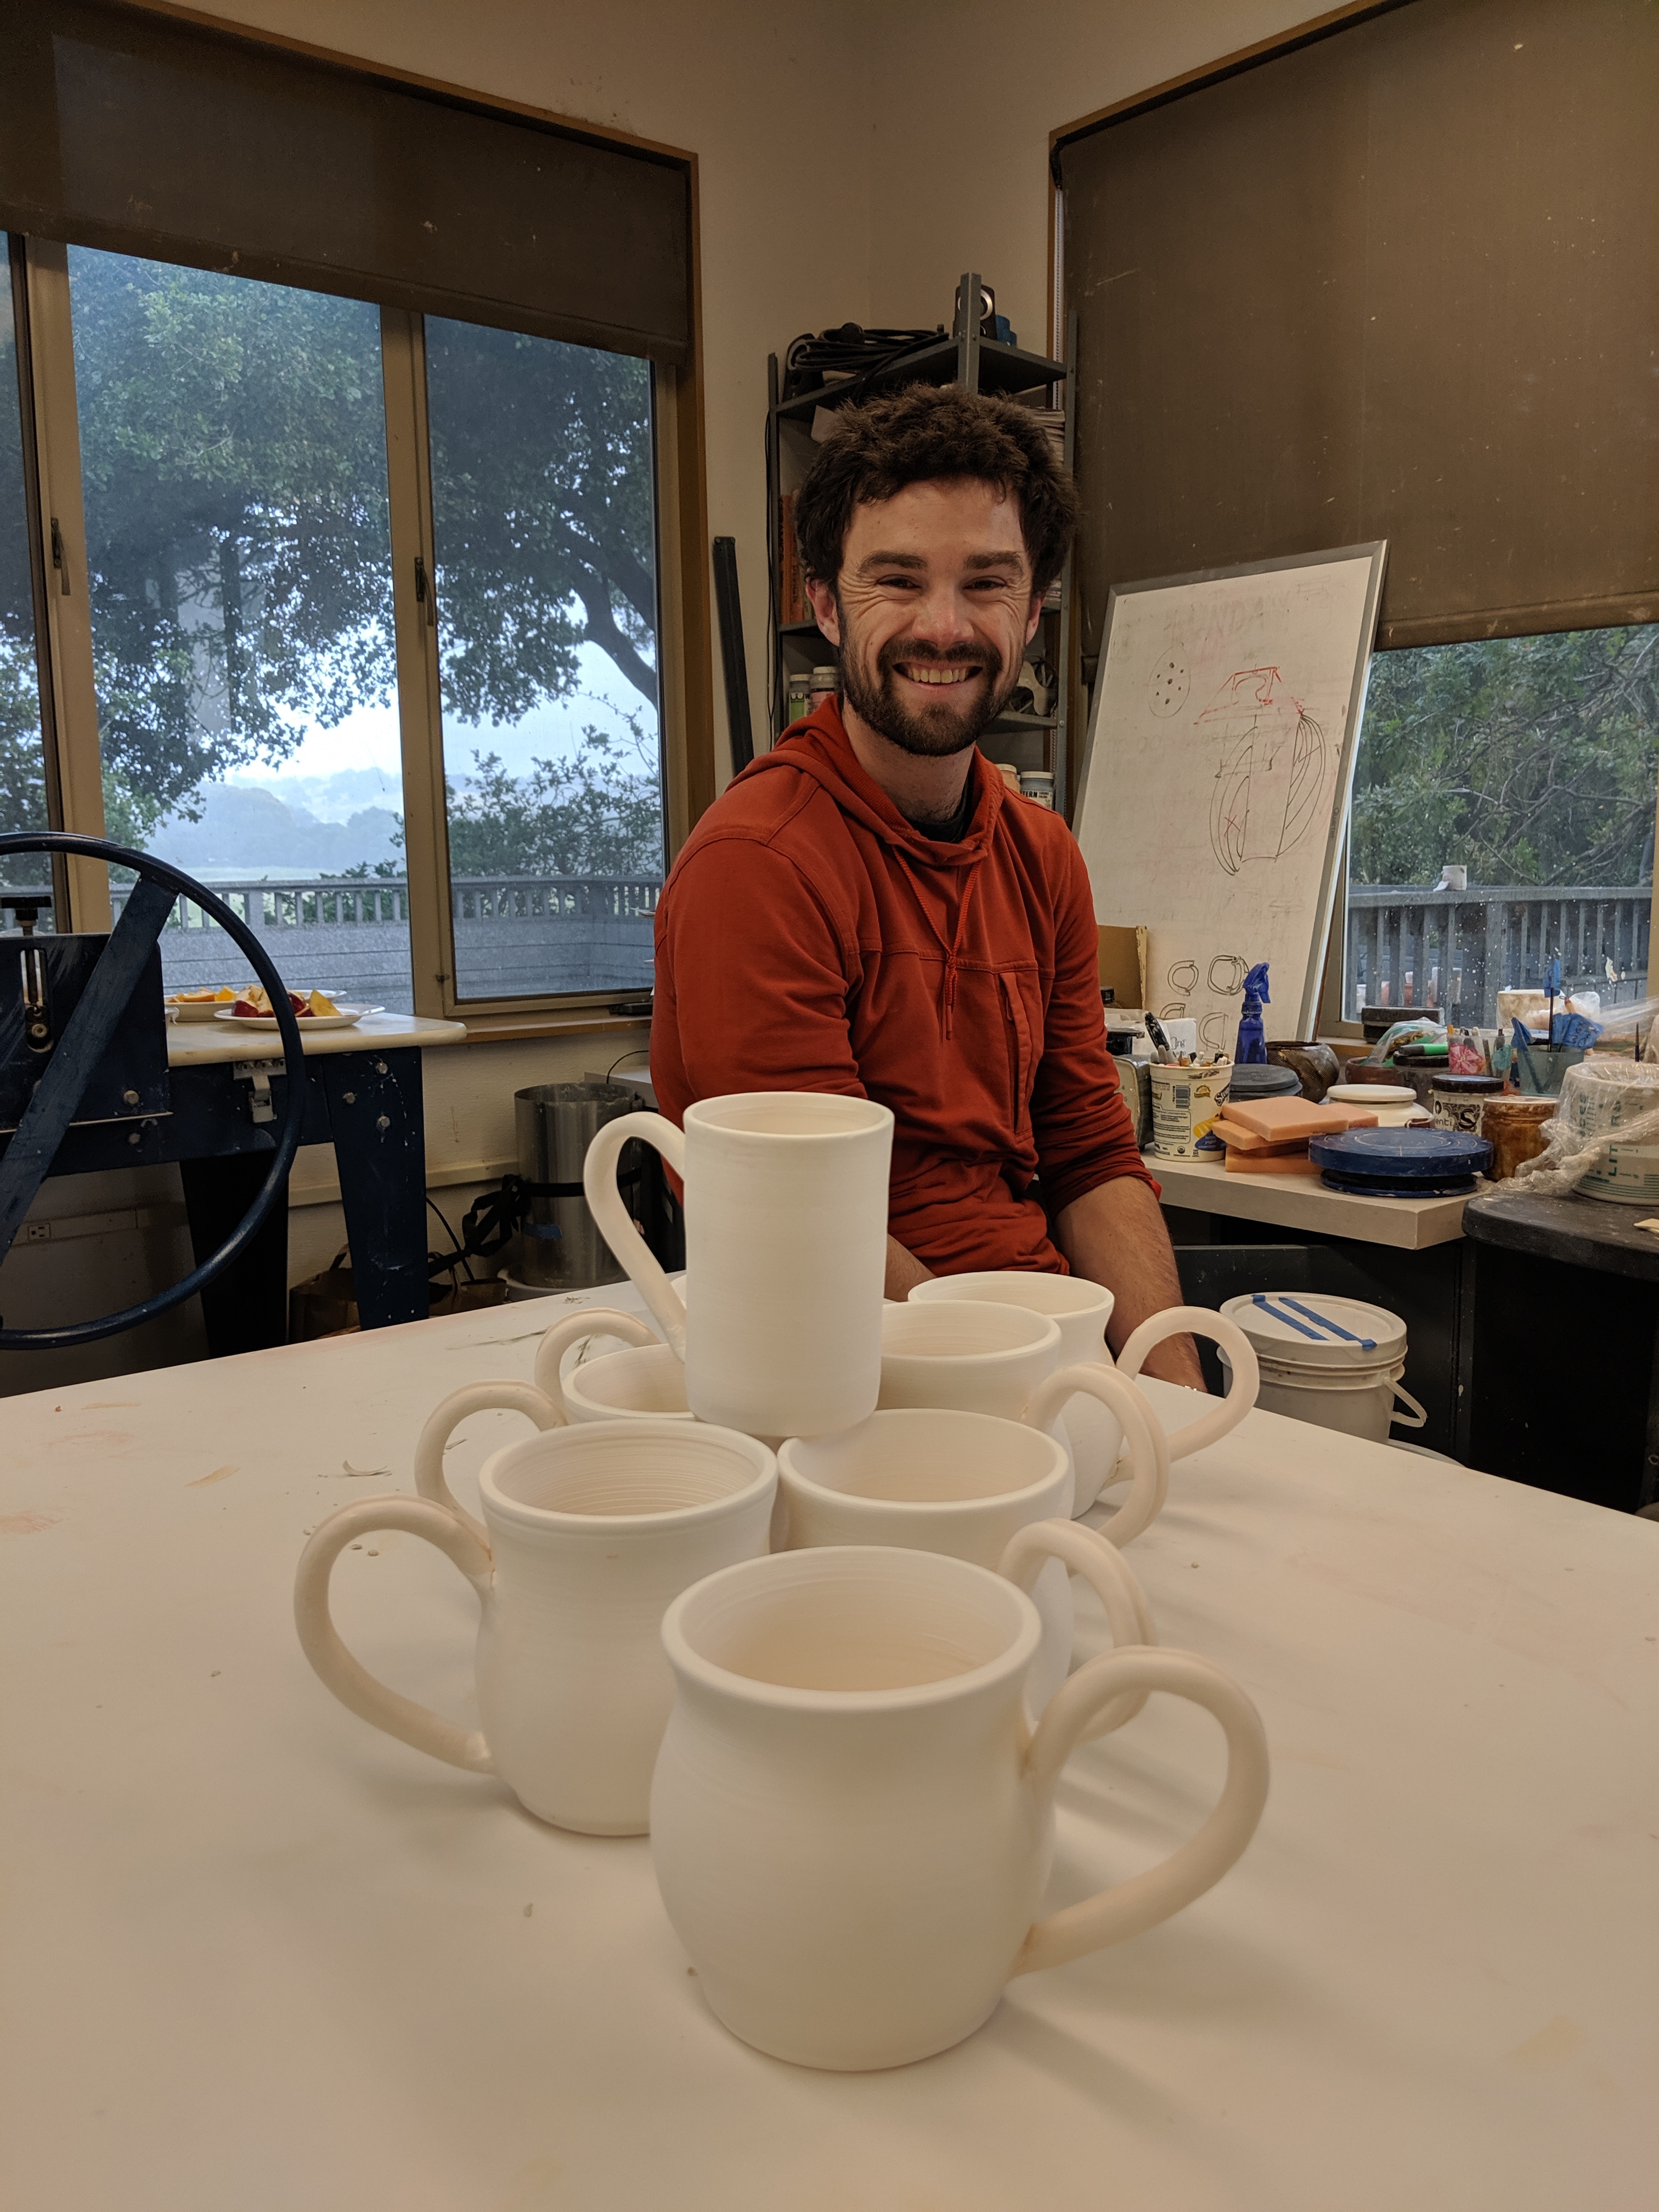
37, 1232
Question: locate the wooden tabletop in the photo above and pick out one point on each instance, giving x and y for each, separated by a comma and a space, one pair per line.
200, 1044
258, 1956
1304, 1201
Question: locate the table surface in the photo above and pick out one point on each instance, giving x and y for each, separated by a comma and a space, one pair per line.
257, 1954
1301, 1202
201, 1044
1584, 1232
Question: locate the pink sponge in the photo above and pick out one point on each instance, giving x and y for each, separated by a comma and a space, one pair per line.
1289, 1121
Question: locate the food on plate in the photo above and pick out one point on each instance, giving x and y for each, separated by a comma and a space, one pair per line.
223, 996
254, 1004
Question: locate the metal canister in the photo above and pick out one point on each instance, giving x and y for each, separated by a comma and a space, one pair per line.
562, 1248
1455, 1101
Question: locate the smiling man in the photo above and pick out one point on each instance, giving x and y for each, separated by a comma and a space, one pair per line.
868, 909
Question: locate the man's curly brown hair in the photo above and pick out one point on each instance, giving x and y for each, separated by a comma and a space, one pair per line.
926, 435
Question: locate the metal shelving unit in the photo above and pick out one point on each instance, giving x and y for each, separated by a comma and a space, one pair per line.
979, 364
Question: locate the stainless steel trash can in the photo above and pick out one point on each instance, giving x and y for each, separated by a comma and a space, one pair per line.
561, 1248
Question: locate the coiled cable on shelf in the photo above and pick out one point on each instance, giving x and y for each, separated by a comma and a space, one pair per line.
850, 351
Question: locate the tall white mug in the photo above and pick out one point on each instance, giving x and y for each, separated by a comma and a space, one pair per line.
785, 1249
851, 1824
588, 1534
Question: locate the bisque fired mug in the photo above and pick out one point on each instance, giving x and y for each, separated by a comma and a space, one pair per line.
975, 1488
980, 1356
1080, 1310
786, 1249
851, 1824
646, 1377
589, 1533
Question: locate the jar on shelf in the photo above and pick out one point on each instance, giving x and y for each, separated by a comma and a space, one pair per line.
826, 682
1037, 783
800, 698
1456, 1102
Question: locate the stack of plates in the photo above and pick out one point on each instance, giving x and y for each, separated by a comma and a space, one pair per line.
1401, 1163
1260, 1079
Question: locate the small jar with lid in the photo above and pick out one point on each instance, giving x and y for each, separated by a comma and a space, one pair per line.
826, 682
1455, 1101
1514, 1129
1037, 783
800, 697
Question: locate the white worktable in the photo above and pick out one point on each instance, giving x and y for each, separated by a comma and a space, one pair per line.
201, 1044
1303, 1202
257, 1957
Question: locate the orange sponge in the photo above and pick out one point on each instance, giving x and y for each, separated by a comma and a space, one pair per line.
1295, 1162
1284, 1120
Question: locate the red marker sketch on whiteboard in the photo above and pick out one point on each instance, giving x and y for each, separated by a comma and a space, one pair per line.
1270, 769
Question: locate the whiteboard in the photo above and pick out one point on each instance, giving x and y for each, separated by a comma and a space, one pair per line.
1216, 780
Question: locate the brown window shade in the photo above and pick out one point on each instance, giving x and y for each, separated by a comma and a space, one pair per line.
132, 131
1400, 281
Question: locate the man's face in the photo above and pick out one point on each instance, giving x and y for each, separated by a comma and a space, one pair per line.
933, 612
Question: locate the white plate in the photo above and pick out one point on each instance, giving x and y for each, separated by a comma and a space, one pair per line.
343, 1020
199, 1010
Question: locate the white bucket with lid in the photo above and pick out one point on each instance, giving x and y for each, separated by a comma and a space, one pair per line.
1599, 1098
1336, 1362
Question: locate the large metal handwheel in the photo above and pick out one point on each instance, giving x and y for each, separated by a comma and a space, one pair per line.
27, 1159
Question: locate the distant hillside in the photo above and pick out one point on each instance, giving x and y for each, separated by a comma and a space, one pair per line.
246, 828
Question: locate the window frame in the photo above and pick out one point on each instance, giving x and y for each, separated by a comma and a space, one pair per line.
63, 641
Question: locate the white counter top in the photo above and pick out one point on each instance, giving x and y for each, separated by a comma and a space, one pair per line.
259, 1956
1303, 1202
200, 1044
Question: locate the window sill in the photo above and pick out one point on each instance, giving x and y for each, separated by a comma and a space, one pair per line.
511, 1029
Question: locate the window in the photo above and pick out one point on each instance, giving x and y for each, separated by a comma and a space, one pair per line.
1503, 813
23, 748
545, 539
253, 724
344, 567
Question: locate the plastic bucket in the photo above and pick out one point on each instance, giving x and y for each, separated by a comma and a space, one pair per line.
1335, 1362
1598, 1097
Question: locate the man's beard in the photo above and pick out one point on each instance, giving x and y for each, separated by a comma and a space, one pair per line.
935, 732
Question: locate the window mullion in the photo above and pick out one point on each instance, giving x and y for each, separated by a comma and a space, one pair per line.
61, 554
409, 474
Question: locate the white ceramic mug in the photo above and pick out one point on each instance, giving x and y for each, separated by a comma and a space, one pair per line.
591, 1531
983, 1358
786, 1247
1080, 1310
852, 1825
646, 1377
975, 1488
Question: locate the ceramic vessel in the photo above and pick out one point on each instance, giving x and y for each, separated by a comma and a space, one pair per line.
645, 1377
1314, 1065
1080, 1310
590, 1532
973, 1487
852, 1825
1244, 1378
979, 1357
786, 1245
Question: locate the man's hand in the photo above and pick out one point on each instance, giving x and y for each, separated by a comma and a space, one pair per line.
903, 1270
1114, 1236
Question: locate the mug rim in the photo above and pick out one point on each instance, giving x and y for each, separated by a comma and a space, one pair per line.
1049, 1340
701, 1114
596, 1436
937, 1289
988, 1503
570, 1385
1010, 1665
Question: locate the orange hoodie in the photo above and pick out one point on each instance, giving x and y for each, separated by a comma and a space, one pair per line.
810, 938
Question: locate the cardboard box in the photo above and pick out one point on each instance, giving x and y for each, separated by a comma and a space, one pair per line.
1123, 965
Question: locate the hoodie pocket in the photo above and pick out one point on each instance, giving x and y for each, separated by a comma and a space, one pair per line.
1022, 1054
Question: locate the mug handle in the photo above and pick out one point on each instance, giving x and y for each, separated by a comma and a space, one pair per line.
441, 1423
598, 1321
1143, 1433
1199, 1320
1129, 1907
615, 1224
1084, 1552
351, 1682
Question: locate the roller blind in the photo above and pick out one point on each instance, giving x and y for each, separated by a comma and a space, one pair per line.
1401, 282
139, 133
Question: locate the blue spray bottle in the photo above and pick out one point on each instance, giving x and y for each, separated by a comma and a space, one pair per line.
1252, 1047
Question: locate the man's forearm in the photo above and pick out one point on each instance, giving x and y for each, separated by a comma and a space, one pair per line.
904, 1270
1113, 1235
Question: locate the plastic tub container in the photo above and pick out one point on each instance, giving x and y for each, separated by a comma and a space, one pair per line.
1186, 1101
1259, 1079
1394, 1105
1335, 1362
